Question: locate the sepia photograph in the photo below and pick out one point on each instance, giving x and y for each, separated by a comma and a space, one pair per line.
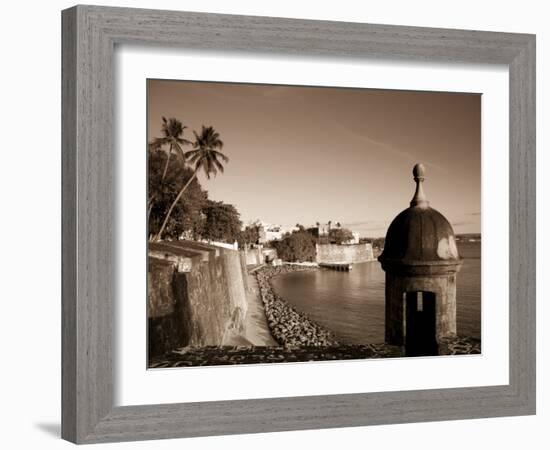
303, 224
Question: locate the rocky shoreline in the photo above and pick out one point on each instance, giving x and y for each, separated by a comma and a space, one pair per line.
299, 338
292, 328
289, 327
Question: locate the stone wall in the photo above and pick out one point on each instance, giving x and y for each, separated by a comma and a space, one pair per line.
444, 289
259, 255
334, 253
253, 256
196, 295
164, 312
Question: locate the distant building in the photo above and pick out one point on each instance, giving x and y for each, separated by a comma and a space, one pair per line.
274, 233
269, 232
355, 240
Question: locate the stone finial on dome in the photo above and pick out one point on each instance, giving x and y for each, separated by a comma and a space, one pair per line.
419, 198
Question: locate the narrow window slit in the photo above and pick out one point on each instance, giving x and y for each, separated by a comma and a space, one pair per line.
419, 305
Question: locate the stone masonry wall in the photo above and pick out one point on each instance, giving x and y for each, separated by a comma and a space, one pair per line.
257, 255
196, 295
253, 256
334, 253
444, 288
164, 312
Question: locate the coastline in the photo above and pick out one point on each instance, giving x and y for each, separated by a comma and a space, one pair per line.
289, 334
295, 337
289, 327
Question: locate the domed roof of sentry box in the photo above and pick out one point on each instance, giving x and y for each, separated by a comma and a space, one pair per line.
420, 235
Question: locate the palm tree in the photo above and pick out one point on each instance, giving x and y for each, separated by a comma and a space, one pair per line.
172, 131
206, 154
172, 134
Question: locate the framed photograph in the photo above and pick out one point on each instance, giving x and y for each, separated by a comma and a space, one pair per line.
277, 224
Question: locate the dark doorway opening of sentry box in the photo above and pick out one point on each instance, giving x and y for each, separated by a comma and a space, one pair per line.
420, 324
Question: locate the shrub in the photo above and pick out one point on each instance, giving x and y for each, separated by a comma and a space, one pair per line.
296, 247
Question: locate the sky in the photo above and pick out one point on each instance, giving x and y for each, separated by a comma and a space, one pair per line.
313, 154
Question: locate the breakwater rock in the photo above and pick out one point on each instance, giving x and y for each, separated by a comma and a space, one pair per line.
299, 338
289, 327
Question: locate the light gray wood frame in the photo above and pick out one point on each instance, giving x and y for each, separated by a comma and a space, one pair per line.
89, 37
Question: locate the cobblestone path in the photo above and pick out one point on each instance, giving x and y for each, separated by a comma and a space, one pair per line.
214, 356
208, 356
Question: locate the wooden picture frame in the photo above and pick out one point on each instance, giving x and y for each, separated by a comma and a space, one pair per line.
90, 34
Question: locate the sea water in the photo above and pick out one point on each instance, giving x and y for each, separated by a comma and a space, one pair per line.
351, 304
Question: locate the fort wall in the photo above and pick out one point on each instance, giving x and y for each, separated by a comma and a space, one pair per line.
196, 295
335, 253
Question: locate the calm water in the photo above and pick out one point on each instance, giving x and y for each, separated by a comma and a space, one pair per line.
351, 304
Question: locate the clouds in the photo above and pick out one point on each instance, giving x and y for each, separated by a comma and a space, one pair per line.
385, 147
307, 154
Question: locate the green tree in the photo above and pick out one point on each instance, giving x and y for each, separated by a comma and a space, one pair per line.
340, 235
186, 217
298, 246
221, 222
206, 155
172, 135
250, 235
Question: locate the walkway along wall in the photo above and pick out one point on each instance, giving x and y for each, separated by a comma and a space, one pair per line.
334, 253
196, 295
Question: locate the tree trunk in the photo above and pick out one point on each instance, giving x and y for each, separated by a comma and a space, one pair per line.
150, 207
165, 171
173, 205
166, 165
